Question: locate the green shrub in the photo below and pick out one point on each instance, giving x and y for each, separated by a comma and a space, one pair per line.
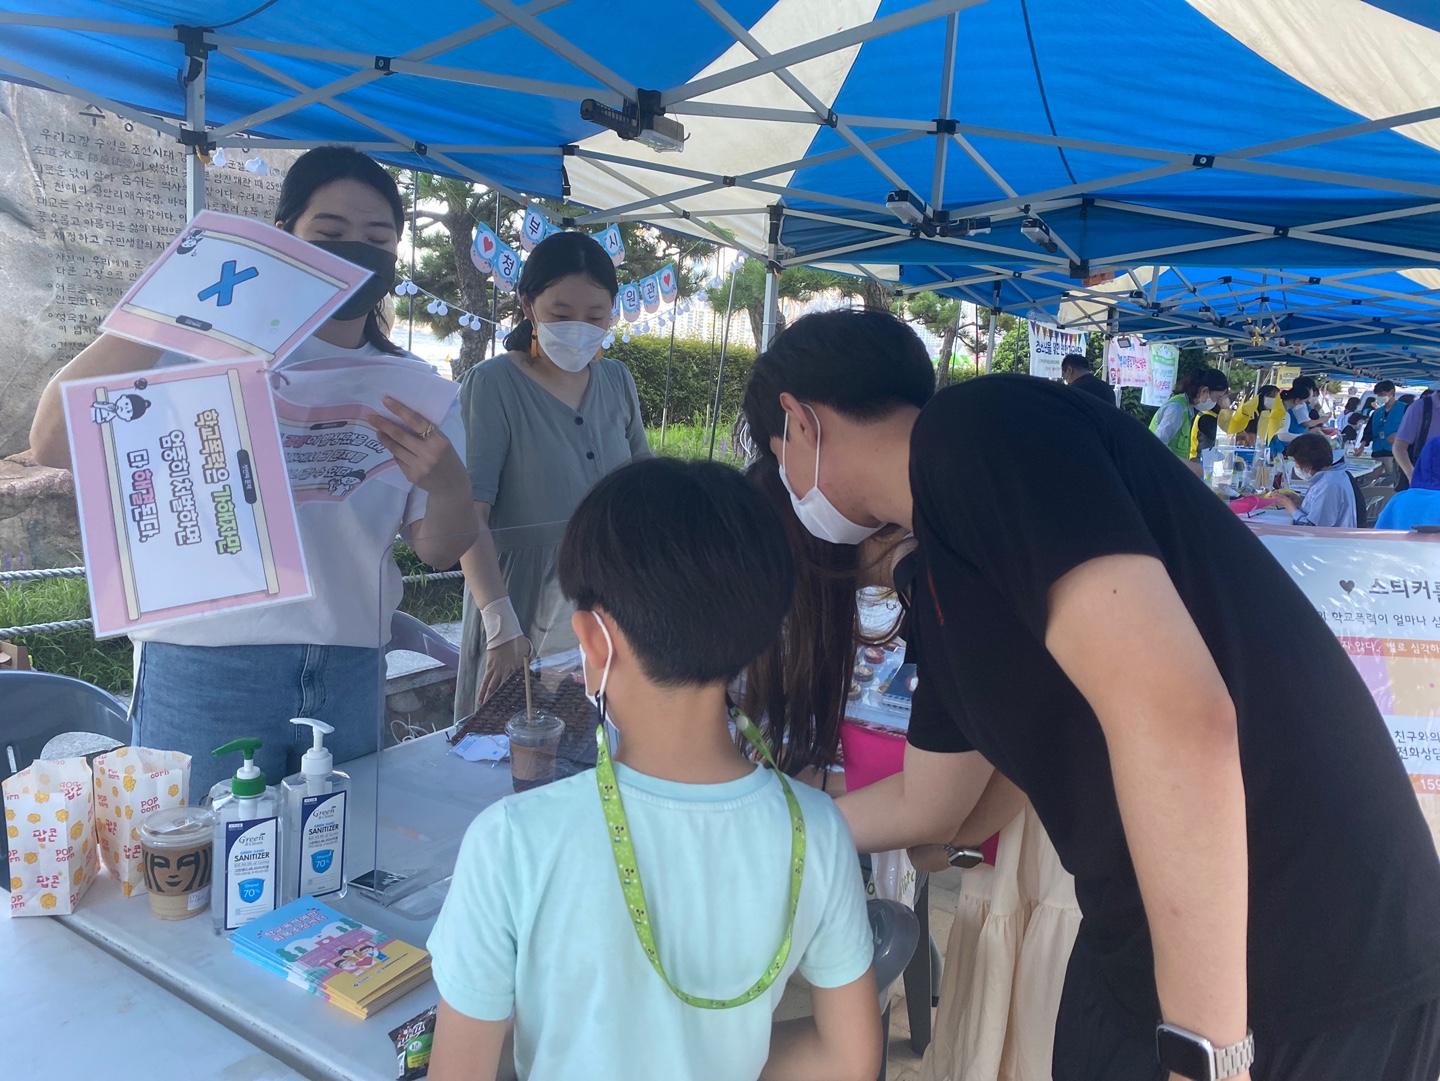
692, 381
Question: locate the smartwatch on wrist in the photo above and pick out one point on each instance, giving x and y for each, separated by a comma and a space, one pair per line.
962, 857
1190, 1055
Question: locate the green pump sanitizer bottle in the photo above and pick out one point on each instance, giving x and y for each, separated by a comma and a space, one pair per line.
247, 843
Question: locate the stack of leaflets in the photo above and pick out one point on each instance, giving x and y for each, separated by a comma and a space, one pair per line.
326, 952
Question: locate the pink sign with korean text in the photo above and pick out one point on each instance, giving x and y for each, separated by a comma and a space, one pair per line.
184, 499
230, 288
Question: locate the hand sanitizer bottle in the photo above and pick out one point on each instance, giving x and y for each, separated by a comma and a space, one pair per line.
247, 843
315, 816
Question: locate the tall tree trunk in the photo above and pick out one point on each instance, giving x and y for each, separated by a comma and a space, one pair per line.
876, 295
474, 290
947, 351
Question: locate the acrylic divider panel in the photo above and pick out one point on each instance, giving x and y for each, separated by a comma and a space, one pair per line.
1380, 594
431, 780
184, 504
231, 288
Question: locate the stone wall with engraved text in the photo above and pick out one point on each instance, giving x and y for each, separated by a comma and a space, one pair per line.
87, 200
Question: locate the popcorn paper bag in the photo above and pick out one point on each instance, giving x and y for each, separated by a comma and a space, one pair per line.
50, 823
130, 784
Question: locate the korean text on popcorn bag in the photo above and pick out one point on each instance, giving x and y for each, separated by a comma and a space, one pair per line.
130, 784
50, 825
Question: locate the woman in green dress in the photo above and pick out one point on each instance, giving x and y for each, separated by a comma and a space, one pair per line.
545, 420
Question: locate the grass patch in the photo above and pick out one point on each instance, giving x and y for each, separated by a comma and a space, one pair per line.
106, 664
109, 664
429, 601
691, 441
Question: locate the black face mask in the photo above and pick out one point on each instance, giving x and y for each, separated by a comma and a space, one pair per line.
382, 278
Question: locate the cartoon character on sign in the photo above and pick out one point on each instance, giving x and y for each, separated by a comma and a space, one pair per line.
342, 486
126, 407
190, 242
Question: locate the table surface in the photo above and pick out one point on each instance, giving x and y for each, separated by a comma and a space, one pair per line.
427, 798
59, 986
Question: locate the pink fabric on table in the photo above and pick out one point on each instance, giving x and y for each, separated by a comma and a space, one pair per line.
1246, 504
871, 754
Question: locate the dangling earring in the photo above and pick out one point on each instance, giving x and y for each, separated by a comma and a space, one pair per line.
534, 344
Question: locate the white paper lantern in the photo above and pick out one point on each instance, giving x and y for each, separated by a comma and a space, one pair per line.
442, 308
626, 336
219, 159
433, 307
402, 289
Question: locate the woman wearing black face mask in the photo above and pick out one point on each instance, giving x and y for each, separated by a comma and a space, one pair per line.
205, 682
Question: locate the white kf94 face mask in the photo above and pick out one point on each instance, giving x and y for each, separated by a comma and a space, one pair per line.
570, 345
815, 511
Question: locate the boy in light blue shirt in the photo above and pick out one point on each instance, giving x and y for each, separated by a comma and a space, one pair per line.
640, 921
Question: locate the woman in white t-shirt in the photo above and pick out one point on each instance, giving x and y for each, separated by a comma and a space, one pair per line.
207, 681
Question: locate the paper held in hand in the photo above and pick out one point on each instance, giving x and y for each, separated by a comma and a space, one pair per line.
230, 288
185, 506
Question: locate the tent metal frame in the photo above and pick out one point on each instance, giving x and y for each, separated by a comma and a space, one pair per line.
1411, 328
863, 136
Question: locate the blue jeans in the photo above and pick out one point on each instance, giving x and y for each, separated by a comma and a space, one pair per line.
197, 698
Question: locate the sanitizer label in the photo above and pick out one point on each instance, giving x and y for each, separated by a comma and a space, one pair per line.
322, 844
250, 870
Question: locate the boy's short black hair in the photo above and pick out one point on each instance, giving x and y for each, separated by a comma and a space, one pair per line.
862, 364
690, 561
1075, 362
1385, 386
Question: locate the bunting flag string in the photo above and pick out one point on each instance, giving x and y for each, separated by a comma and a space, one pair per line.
440, 306
536, 228
612, 242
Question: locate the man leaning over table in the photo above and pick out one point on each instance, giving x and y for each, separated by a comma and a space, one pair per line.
1241, 861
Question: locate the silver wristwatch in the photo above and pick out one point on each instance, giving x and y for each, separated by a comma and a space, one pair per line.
1191, 1055
963, 857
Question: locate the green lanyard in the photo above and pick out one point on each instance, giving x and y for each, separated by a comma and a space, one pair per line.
629, 871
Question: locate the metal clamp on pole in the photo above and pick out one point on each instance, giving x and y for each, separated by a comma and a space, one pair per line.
192, 137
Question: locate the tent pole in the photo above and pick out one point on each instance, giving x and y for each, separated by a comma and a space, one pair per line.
669, 367
197, 60
772, 306
772, 281
414, 238
990, 347
494, 291
720, 378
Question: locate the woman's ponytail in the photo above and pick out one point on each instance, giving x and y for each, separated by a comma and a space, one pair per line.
519, 339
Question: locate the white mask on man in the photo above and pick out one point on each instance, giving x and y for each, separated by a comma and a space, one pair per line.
570, 345
815, 511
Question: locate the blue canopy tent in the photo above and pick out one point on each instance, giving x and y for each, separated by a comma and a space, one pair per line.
1368, 323
1021, 135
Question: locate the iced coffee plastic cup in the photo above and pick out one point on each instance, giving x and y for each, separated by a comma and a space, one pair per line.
533, 744
176, 850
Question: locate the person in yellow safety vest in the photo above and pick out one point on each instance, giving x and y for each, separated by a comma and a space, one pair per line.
1262, 407
1204, 440
1174, 420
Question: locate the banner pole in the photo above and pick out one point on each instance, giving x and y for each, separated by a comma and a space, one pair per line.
720, 378
669, 366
